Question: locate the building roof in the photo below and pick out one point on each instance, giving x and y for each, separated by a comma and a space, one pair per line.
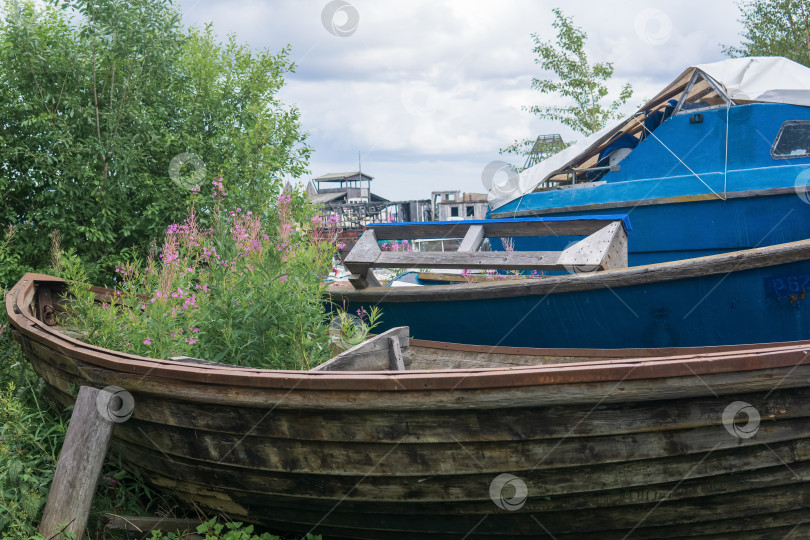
343, 177
320, 198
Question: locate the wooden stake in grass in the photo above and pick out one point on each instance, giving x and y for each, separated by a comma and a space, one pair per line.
88, 436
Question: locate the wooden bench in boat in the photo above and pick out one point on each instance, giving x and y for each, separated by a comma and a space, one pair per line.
604, 246
387, 351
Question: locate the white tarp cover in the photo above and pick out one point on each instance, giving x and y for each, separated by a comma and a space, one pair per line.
767, 79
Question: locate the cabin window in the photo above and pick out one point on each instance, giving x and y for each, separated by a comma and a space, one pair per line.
470, 211
454, 211
792, 141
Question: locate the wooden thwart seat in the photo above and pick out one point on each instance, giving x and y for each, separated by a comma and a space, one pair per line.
604, 247
389, 351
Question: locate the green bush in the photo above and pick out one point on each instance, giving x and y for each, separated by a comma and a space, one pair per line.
247, 290
99, 97
30, 439
212, 530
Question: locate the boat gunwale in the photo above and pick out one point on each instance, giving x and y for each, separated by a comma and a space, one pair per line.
699, 361
734, 261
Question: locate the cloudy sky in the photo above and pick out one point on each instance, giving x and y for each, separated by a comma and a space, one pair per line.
428, 91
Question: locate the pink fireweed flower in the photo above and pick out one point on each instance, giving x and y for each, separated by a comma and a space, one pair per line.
282, 279
341, 245
147, 341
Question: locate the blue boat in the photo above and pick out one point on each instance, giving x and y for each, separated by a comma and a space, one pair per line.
751, 296
713, 173
719, 161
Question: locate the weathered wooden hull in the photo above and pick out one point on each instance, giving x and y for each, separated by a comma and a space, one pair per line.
624, 445
750, 296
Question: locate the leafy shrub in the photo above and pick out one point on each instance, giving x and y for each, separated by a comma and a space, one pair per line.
212, 530
245, 290
11, 269
99, 96
30, 439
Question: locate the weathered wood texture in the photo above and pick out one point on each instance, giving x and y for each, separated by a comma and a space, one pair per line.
737, 261
473, 239
492, 229
357, 261
603, 249
623, 205
374, 354
609, 446
79, 466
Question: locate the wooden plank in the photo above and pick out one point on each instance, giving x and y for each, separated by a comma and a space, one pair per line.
603, 250
616, 253
80, 462
508, 260
364, 280
418, 456
441, 277
623, 205
724, 263
588, 253
359, 259
371, 355
404, 393
392, 491
473, 239
365, 251
492, 228
395, 355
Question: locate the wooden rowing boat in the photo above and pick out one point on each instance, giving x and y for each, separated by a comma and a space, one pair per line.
470, 442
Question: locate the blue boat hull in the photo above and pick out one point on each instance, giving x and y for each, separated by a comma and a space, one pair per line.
759, 305
670, 232
695, 188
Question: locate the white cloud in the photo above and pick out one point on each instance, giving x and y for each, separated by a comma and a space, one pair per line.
429, 91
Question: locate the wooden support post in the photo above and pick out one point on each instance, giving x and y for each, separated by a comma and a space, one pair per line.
359, 261
395, 354
473, 239
88, 436
603, 250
